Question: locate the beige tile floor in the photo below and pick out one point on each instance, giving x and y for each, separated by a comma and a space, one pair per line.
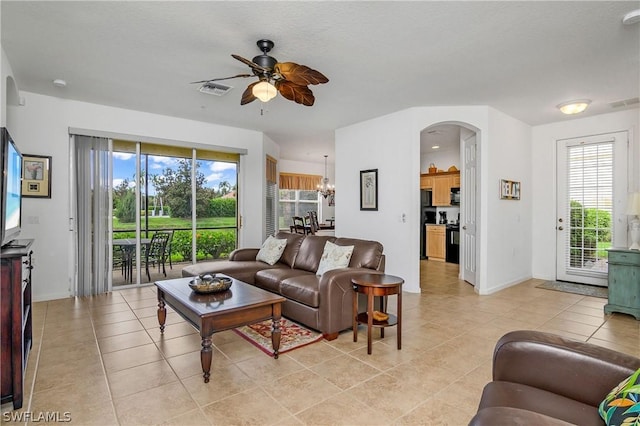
103, 361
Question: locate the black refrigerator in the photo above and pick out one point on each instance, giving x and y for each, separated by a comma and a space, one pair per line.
427, 215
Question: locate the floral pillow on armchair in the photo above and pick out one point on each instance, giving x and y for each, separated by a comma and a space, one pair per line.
622, 405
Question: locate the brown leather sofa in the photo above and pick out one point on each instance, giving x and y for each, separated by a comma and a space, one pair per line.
323, 303
543, 379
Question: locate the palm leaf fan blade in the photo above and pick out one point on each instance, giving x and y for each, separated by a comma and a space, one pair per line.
251, 64
299, 74
295, 92
247, 95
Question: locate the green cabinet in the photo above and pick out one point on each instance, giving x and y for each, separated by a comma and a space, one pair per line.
624, 282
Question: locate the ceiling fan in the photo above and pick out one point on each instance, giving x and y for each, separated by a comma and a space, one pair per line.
287, 78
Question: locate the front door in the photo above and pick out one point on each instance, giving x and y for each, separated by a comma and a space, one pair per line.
591, 189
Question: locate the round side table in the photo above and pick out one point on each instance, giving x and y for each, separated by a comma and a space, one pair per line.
376, 285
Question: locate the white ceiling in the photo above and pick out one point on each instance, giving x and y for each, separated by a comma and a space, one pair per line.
522, 58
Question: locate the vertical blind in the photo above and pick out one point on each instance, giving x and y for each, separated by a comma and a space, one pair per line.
271, 199
590, 205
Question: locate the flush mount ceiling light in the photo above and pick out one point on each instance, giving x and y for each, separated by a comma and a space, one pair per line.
58, 82
632, 17
435, 147
574, 107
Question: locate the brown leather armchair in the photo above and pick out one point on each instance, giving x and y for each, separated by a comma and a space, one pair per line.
543, 379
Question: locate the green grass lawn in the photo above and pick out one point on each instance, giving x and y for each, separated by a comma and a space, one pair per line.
173, 223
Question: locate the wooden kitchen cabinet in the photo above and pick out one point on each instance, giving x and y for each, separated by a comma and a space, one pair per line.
436, 242
442, 191
440, 184
426, 182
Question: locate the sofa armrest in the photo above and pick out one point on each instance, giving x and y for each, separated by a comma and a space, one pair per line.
577, 370
244, 254
336, 298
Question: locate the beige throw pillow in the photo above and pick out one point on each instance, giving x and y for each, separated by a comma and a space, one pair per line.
271, 250
334, 257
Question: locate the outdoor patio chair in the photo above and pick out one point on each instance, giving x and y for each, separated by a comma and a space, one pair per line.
156, 251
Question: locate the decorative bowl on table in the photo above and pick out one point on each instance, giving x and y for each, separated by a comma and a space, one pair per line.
210, 283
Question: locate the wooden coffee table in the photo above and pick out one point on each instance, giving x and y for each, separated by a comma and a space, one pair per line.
242, 304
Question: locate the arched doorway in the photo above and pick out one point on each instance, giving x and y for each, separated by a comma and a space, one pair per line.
449, 148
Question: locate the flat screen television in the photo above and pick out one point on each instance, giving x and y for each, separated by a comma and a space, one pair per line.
11, 188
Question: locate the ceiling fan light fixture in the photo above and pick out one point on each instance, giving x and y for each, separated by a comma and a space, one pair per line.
574, 107
264, 91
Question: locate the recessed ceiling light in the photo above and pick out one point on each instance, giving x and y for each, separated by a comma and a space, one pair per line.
58, 82
435, 147
574, 107
632, 17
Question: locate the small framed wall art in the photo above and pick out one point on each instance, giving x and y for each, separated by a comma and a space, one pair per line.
36, 176
369, 189
509, 189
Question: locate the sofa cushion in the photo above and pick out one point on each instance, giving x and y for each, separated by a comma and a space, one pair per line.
334, 257
310, 252
366, 254
516, 395
292, 247
270, 279
303, 289
623, 402
271, 250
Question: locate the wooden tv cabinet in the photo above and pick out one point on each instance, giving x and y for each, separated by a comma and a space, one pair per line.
16, 323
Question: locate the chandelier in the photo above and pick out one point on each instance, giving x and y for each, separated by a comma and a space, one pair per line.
326, 189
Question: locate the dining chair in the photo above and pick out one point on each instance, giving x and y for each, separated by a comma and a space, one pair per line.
156, 251
298, 226
313, 222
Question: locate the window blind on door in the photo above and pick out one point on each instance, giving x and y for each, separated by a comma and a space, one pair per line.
590, 207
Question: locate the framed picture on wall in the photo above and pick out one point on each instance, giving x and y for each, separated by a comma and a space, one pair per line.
369, 189
509, 189
36, 176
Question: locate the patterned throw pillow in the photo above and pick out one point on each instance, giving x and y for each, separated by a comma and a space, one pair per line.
271, 250
334, 257
622, 405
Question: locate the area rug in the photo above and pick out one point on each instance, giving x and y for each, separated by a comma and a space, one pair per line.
584, 289
292, 336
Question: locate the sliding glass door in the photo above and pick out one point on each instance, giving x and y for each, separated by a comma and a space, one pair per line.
171, 206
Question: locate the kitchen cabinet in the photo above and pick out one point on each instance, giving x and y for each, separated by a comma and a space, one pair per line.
440, 184
426, 182
442, 191
624, 282
436, 242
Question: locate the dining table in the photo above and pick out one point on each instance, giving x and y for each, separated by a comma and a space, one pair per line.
128, 246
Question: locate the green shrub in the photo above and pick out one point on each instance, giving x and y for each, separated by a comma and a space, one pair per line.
216, 244
222, 207
181, 244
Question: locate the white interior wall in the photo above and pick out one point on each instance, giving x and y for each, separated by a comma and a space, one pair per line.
41, 127
509, 222
441, 159
311, 168
399, 167
543, 160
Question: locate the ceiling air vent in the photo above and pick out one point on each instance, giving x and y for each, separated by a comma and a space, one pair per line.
217, 89
624, 103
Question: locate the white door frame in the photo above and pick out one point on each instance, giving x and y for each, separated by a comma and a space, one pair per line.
618, 218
